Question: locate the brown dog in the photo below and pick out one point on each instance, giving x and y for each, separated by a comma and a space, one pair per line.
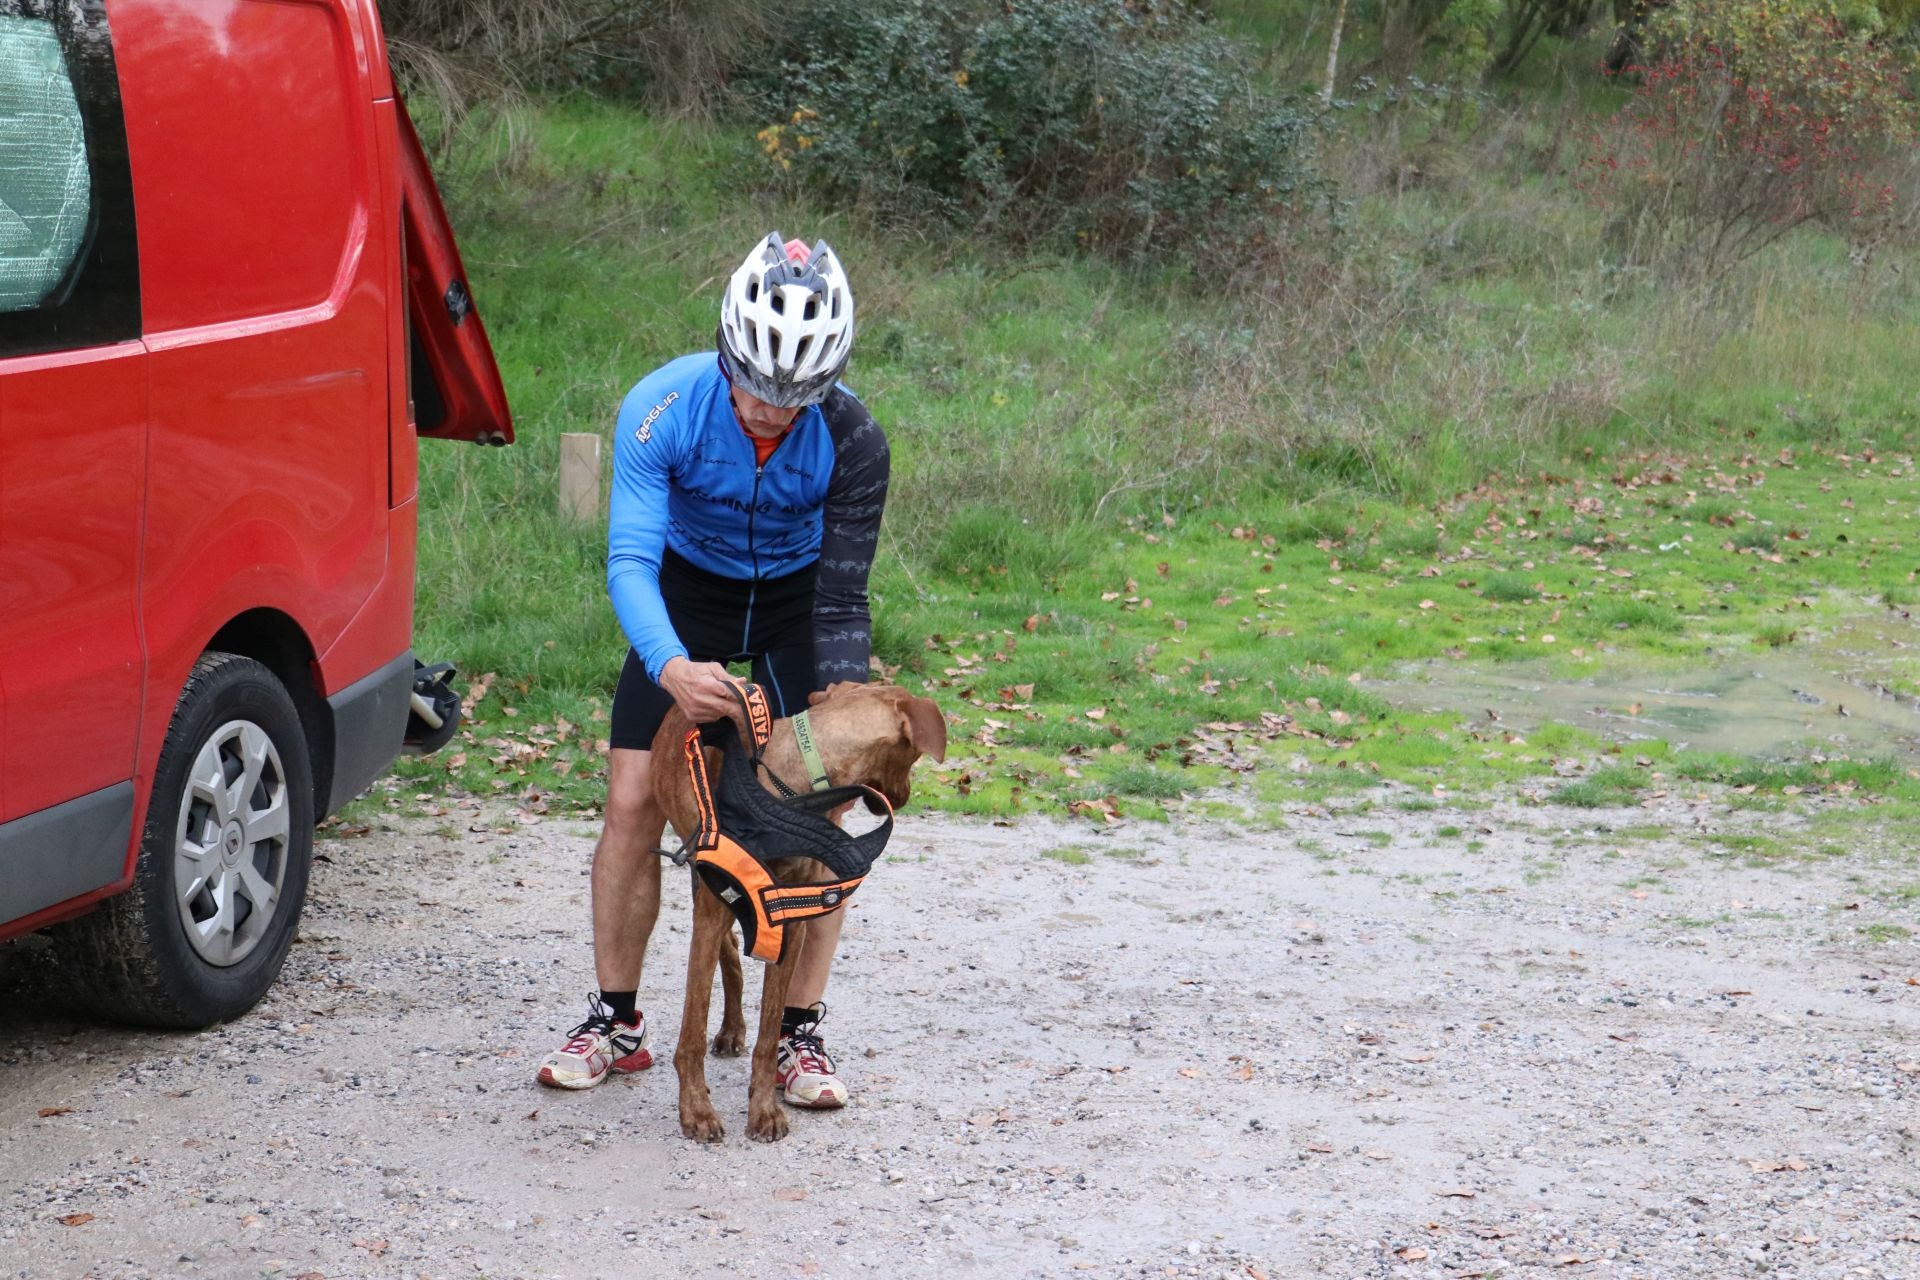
869, 734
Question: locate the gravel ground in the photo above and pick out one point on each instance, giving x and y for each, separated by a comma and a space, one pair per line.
1361, 1046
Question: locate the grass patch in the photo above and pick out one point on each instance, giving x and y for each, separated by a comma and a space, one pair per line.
1113, 594
1610, 787
1074, 855
1885, 932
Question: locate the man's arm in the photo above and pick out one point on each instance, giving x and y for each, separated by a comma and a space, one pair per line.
856, 497
646, 440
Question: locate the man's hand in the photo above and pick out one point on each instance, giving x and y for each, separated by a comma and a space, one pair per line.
704, 690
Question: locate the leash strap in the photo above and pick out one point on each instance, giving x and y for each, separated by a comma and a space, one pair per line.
810, 750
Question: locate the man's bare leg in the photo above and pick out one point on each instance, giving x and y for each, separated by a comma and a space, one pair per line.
626, 902
626, 872
816, 960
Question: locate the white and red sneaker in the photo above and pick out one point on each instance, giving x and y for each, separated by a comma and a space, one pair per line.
807, 1077
596, 1049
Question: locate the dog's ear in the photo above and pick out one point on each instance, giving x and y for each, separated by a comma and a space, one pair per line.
926, 727
819, 696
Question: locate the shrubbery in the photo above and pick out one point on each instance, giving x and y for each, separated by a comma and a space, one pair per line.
1752, 119
1128, 127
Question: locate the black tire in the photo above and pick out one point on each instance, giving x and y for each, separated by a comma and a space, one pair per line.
134, 957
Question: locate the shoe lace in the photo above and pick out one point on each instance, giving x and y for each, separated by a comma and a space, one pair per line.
599, 1022
809, 1051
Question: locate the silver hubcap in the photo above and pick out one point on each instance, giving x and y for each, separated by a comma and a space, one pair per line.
230, 844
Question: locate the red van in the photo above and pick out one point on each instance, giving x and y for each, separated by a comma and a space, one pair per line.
229, 303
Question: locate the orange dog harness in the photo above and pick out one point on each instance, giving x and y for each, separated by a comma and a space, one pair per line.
748, 829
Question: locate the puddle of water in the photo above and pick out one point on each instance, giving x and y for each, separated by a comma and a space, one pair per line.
1826, 693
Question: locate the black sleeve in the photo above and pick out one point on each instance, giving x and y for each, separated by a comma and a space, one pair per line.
856, 495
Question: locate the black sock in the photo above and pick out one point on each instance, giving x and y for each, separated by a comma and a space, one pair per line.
793, 1019
622, 1004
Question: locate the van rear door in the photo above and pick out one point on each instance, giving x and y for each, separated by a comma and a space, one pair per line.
457, 393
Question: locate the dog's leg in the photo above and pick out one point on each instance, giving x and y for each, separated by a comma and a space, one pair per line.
732, 1040
766, 1119
710, 929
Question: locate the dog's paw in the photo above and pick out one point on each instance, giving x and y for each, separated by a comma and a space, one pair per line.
766, 1124
730, 1043
701, 1125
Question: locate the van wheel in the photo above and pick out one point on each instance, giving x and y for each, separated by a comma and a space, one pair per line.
223, 862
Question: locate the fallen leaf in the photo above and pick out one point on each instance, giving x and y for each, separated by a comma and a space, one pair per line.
76, 1220
374, 1247
1777, 1166
1243, 1072
789, 1193
1911, 1068
1320, 1147
55, 1111
1458, 1193
1412, 1253
1377, 1155
1190, 1072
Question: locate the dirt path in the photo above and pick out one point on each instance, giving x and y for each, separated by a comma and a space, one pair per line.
1352, 1048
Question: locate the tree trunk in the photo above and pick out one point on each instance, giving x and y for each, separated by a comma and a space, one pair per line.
1333, 53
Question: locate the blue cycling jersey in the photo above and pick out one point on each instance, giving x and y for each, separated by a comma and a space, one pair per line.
685, 477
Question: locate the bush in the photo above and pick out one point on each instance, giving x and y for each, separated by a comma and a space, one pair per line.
680, 54
1753, 119
1129, 127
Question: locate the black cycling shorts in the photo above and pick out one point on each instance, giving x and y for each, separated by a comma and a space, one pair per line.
768, 623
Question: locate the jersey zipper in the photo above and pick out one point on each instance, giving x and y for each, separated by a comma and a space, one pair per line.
753, 586
753, 550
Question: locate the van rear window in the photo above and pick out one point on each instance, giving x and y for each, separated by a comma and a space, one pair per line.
45, 189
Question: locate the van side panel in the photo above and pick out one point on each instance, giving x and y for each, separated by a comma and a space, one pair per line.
72, 454
267, 276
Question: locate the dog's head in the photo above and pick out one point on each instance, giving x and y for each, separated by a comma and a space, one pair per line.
878, 731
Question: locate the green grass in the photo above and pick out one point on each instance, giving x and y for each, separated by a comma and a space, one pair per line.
1609, 787
1156, 535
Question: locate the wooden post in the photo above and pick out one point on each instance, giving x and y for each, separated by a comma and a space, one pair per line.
579, 476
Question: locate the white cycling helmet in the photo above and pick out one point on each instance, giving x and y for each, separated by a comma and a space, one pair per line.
786, 323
